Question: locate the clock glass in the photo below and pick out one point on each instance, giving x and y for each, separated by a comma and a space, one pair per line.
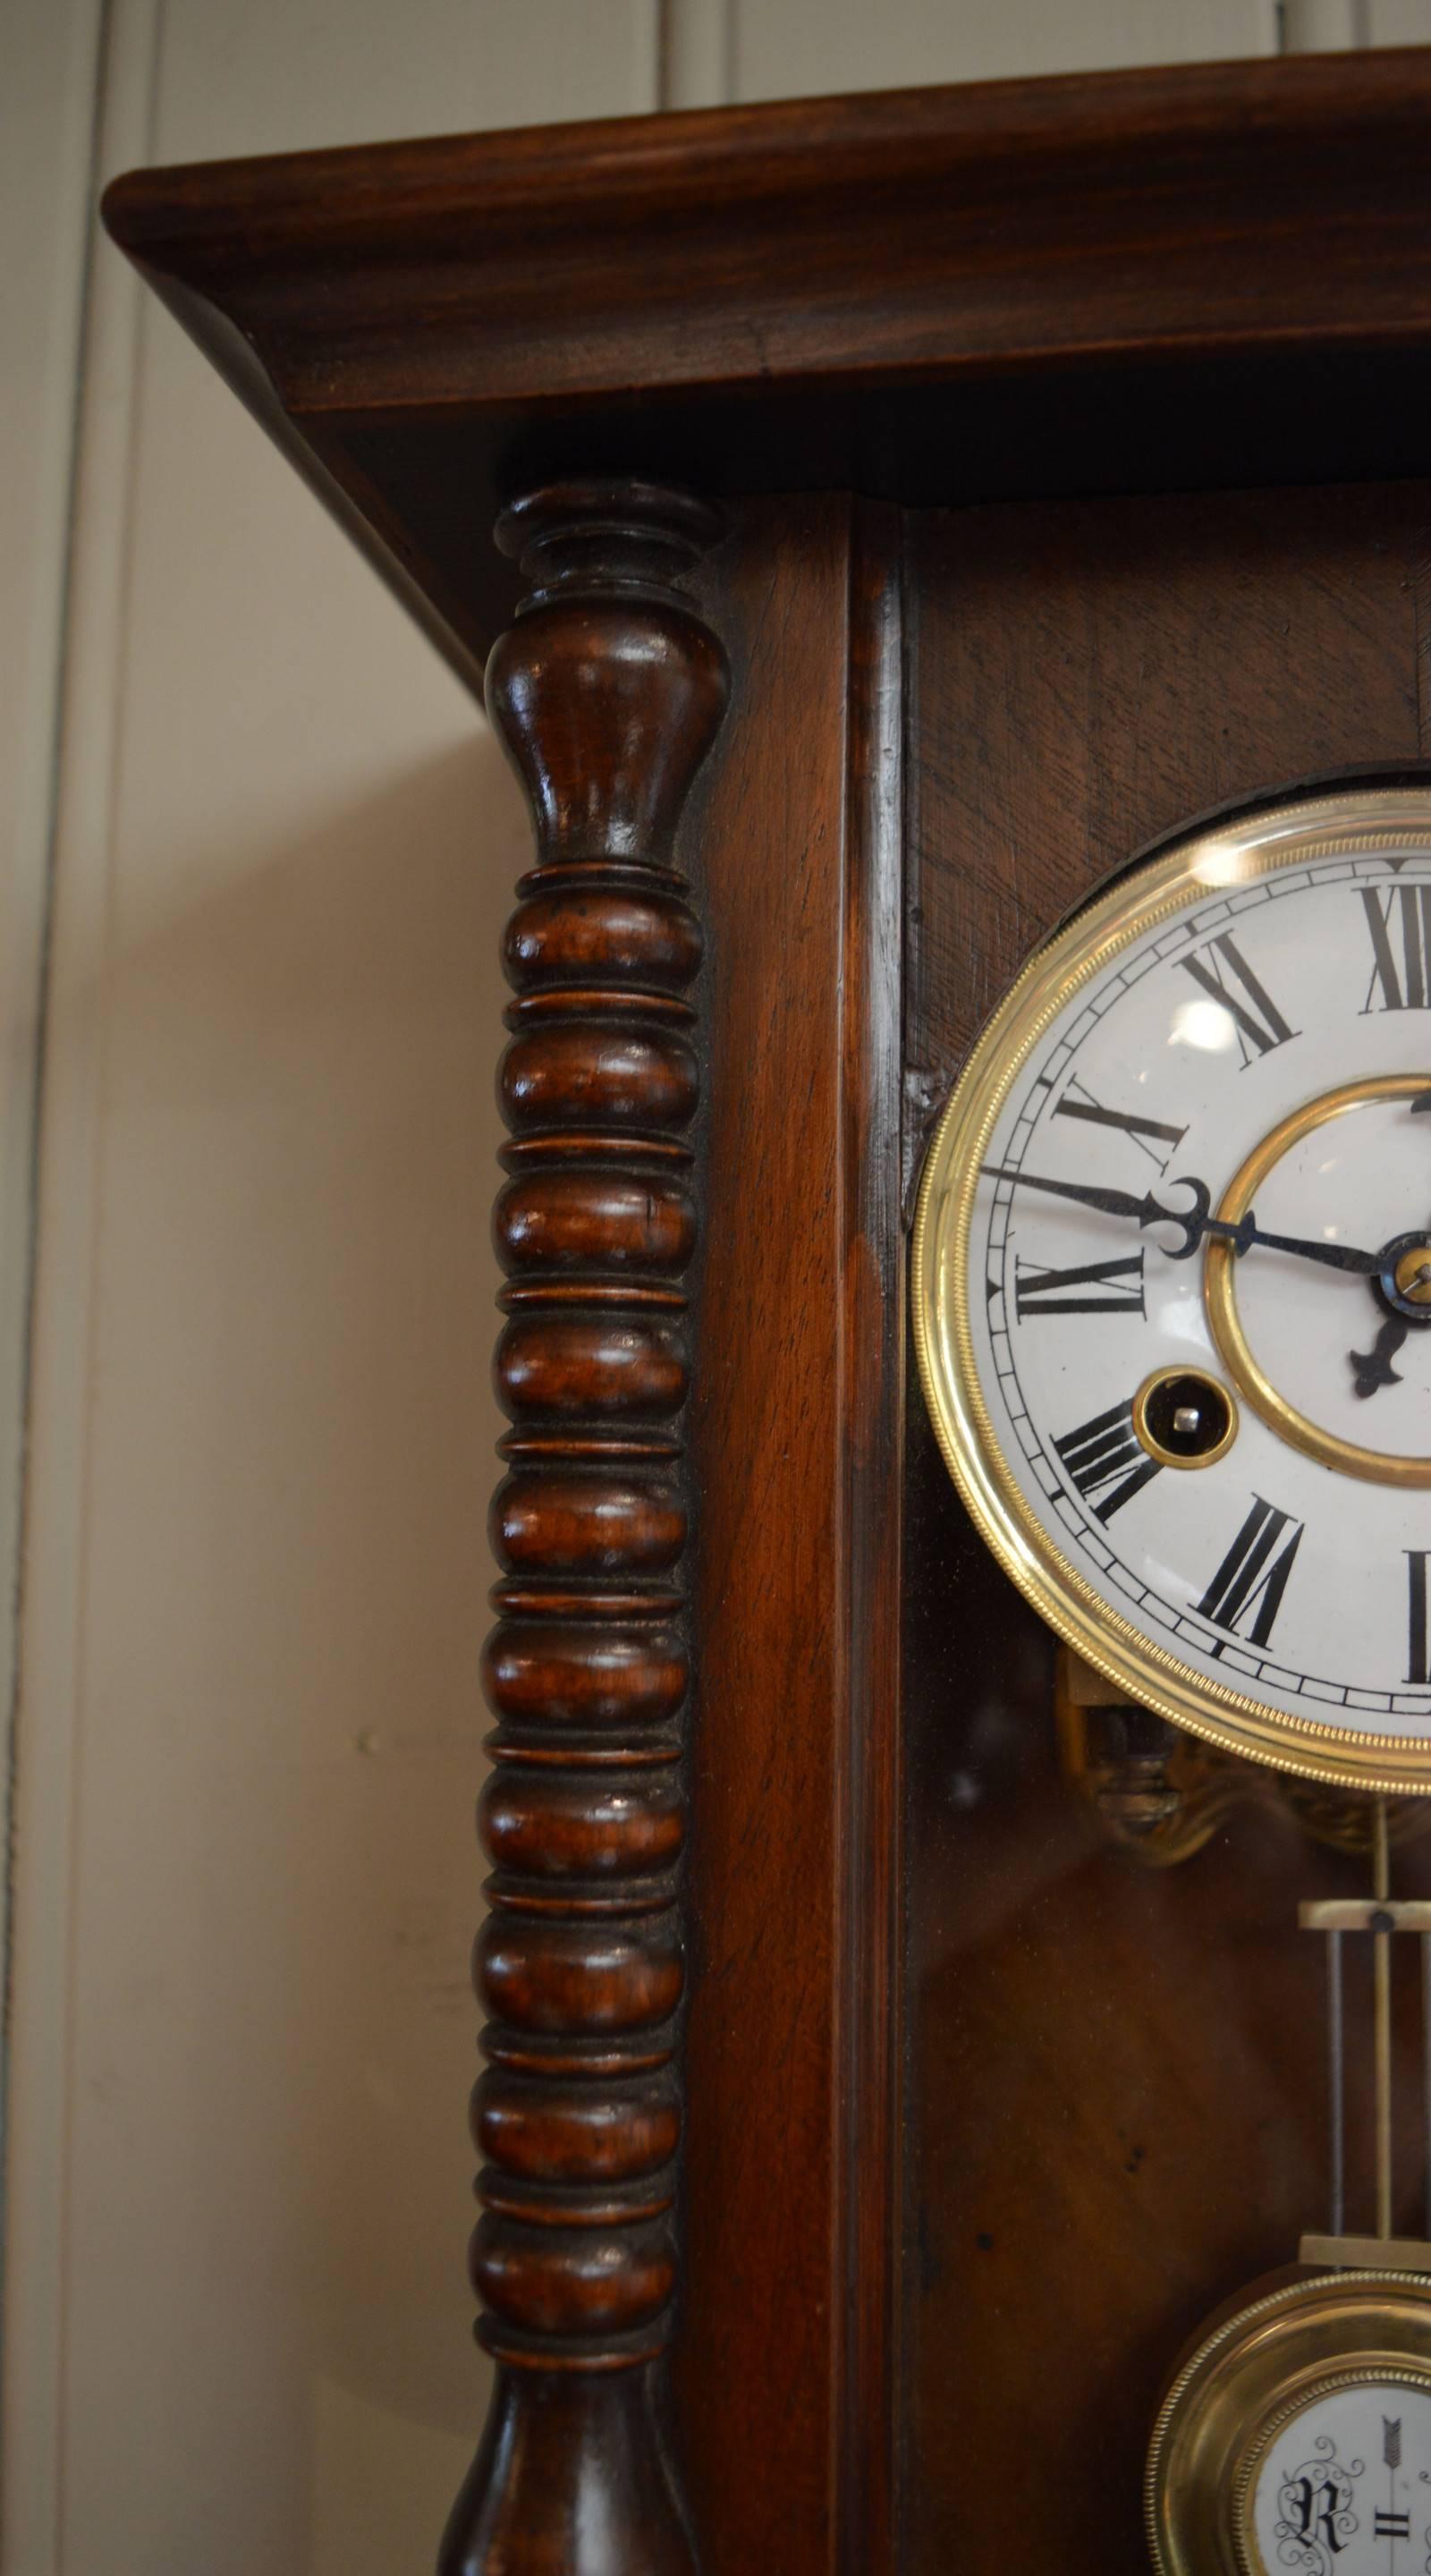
1172, 1284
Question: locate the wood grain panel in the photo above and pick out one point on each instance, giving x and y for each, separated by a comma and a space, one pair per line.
794, 1440
1091, 674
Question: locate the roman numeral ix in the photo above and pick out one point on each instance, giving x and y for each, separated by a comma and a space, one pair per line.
1221, 969
1093, 1288
1104, 1457
1147, 1133
1251, 1576
1400, 924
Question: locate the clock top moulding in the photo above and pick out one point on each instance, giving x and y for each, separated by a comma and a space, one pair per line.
1137, 280
830, 294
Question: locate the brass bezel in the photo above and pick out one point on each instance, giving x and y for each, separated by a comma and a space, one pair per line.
1285, 834
1314, 2383
1243, 2380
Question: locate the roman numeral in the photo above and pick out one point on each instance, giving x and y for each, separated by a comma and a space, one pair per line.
1403, 981
1416, 1662
1250, 1577
1106, 1453
1147, 1133
1259, 1024
1391, 2526
1094, 1288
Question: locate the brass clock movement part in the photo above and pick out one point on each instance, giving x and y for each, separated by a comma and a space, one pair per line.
1161, 1794
1154, 1789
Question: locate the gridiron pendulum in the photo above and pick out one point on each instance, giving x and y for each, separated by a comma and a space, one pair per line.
1379, 1917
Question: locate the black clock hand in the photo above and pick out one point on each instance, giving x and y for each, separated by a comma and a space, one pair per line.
1196, 1222
1371, 1369
1111, 1202
1333, 1256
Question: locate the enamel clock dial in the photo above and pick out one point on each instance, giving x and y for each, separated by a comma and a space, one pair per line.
1172, 1285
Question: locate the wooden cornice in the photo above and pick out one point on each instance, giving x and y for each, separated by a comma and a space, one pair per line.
826, 292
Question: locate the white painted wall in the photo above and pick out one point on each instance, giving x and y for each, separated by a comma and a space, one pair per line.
46, 121
236, 2326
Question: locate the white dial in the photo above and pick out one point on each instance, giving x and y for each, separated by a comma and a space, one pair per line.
1173, 1284
1345, 2484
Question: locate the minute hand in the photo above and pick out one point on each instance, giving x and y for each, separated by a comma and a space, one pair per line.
1195, 1222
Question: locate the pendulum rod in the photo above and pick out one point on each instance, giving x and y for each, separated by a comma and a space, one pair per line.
1379, 1917
1381, 1952
1426, 2078
1336, 2085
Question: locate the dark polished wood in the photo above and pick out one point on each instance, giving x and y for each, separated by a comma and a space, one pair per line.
1219, 271
784, 2364
1109, 670
607, 694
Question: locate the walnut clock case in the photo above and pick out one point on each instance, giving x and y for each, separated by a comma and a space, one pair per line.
909, 513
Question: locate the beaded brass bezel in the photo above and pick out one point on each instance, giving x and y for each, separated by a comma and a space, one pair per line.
1246, 2377
1274, 836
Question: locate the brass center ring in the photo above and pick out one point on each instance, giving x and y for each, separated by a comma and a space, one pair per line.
1374, 1466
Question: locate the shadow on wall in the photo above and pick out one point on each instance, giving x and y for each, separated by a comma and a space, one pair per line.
292, 1434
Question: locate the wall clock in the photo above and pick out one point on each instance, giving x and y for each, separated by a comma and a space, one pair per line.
908, 509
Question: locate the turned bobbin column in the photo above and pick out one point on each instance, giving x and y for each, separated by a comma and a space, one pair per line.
607, 693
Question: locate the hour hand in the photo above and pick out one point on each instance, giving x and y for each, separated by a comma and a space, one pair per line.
1371, 1369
